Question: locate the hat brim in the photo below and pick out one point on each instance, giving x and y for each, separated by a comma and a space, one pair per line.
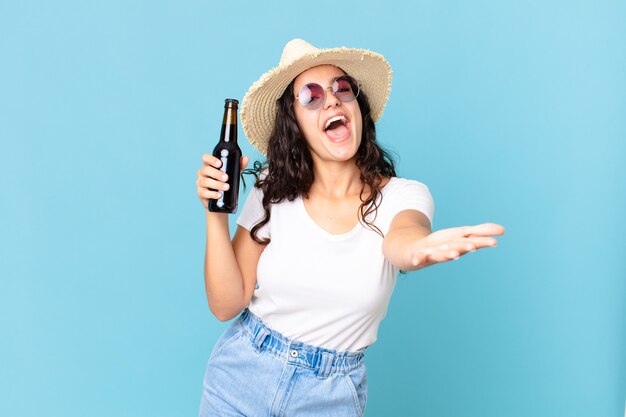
259, 106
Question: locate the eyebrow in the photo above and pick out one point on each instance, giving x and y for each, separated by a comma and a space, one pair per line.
330, 80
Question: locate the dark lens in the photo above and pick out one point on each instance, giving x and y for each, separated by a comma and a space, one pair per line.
344, 88
311, 96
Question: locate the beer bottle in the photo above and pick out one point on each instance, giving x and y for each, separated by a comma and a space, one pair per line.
229, 153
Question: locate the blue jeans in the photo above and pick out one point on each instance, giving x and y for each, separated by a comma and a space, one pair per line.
255, 371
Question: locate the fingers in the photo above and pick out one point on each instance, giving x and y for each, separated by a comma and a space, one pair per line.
435, 256
211, 181
206, 194
469, 244
485, 229
452, 250
211, 172
473, 243
212, 184
208, 159
244, 162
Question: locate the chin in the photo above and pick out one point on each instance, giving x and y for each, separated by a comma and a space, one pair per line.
338, 151
344, 153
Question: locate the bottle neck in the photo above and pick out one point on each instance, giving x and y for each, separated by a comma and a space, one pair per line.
230, 116
229, 124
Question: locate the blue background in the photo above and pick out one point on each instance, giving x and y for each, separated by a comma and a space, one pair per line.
511, 112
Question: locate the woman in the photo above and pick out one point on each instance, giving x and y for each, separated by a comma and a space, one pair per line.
320, 241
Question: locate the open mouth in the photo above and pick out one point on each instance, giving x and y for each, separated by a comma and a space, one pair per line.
337, 128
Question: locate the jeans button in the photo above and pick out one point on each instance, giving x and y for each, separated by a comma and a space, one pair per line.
294, 353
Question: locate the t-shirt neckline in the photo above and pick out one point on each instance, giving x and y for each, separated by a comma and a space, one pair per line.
333, 236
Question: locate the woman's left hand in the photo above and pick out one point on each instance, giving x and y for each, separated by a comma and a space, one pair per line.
450, 244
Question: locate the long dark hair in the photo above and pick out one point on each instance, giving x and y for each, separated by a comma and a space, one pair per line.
288, 170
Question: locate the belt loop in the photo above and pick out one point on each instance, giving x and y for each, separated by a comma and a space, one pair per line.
326, 364
260, 337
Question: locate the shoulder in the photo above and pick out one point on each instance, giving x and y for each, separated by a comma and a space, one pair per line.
401, 194
399, 186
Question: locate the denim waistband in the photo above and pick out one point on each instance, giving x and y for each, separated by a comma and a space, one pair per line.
323, 361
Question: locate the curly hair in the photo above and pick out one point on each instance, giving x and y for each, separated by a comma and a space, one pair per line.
288, 170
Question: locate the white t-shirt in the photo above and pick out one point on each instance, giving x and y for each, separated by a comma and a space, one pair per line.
328, 290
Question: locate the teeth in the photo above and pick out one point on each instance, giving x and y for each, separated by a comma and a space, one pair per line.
334, 119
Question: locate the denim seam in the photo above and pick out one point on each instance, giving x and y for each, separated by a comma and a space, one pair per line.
226, 344
290, 386
355, 394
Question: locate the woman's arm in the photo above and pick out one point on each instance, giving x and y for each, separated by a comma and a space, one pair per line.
229, 267
410, 244
407, 227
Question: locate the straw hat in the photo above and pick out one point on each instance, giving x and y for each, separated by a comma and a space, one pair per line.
258, 110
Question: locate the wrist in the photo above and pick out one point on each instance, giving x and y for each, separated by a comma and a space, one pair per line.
215, 217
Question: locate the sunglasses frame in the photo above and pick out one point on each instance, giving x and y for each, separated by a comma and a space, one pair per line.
353, 84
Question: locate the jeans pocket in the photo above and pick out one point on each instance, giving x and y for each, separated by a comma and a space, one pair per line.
230, 334
357, 379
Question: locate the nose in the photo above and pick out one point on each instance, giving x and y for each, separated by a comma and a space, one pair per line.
331, 99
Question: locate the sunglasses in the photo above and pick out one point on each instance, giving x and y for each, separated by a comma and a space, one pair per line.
312, 96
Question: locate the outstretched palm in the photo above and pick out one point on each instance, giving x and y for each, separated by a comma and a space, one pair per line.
448, 244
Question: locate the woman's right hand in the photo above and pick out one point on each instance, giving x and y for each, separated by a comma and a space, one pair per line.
211, 179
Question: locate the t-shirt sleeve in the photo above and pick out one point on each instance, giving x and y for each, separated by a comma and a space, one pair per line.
416, 196
253, 212
407, 195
